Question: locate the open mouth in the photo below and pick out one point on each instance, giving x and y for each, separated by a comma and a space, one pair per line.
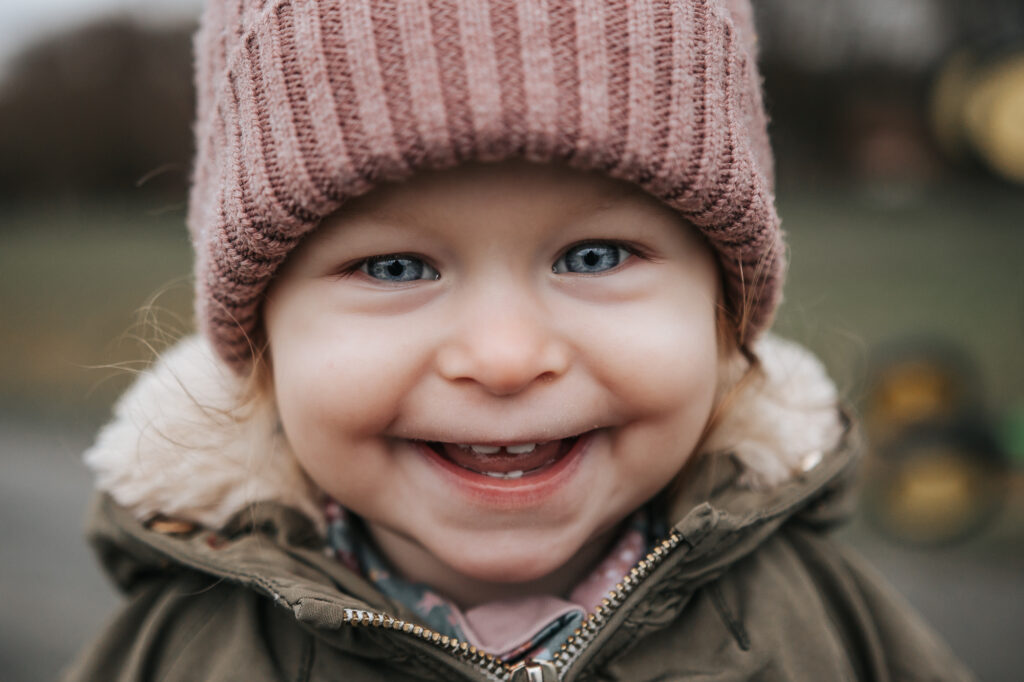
508, 462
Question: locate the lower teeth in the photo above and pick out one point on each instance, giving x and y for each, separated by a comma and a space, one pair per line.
507, 475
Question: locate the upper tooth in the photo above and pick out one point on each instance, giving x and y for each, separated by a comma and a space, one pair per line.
521, 449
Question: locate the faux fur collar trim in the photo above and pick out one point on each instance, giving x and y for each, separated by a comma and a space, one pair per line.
186, 441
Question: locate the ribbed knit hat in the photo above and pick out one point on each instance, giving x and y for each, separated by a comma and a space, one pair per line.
303, 104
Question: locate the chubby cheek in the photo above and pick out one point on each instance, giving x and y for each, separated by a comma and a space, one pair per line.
660, 357
662, 364
337, 387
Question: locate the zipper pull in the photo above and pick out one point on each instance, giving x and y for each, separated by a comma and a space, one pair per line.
534, 671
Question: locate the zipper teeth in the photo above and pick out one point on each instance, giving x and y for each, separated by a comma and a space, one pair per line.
495, 668
596, 619
577, 642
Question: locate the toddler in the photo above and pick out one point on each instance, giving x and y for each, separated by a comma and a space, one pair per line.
484, 389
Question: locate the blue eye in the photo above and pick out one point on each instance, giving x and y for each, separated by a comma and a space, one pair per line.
398, 269
591, 258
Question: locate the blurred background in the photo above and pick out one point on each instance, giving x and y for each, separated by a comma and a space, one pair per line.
899, 137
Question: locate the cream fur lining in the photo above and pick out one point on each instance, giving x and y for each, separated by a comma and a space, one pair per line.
186, 443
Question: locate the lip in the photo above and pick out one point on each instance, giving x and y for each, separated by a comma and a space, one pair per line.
516, 493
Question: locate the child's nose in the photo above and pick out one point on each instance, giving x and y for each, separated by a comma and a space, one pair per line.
504, 346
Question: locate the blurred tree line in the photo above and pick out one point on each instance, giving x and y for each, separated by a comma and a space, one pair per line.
100, 109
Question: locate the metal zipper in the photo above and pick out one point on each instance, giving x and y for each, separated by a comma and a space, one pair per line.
598, 618
499, 671
494, 668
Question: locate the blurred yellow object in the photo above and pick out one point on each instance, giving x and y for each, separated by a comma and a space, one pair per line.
912, 392
979, 107
994, 116
936, 469
931, 492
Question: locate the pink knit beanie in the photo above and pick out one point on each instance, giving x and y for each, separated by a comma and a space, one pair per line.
303, 104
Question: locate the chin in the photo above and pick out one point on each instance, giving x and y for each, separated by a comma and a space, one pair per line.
510, 562
507, 570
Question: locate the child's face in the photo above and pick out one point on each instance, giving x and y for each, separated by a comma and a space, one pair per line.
501, 305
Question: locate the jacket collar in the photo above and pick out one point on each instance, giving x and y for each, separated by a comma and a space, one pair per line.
189, 441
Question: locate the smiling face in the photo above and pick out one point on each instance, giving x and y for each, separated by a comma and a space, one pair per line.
494, 366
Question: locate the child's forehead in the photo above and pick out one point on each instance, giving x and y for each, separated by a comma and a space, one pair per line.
521, 186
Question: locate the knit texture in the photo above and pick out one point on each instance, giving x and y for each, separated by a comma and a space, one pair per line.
303, 104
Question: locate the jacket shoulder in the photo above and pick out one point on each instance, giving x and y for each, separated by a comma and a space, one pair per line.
882, 634
193, 627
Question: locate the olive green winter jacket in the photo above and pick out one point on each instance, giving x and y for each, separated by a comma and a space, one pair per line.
747, 586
